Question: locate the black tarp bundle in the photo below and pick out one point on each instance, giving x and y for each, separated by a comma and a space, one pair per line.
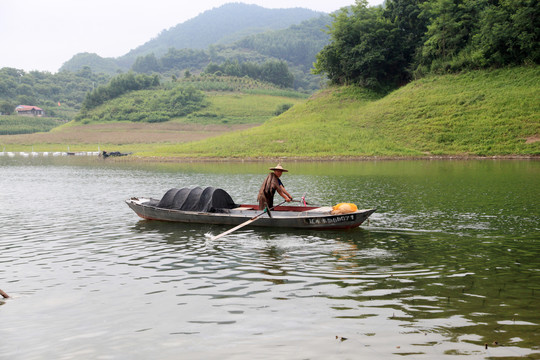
209, 199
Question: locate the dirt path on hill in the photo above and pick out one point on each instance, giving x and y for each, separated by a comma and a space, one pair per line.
124, 133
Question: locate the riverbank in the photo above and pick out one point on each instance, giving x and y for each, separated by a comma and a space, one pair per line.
117, 136
161, 159
480, 114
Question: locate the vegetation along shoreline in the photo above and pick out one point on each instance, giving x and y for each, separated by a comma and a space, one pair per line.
158, 159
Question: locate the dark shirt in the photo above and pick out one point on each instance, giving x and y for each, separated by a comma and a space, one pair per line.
268, 190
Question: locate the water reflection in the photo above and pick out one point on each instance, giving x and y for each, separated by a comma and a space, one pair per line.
448, 264
425, 282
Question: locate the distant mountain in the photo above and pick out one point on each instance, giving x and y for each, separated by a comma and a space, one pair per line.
93, 61
225, 24
298, 44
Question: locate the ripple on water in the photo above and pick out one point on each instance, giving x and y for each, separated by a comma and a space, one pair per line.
417, 281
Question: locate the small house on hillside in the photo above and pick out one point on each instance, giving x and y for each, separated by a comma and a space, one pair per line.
28, 110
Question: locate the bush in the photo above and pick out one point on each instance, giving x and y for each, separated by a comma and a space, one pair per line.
149, 105
282, 108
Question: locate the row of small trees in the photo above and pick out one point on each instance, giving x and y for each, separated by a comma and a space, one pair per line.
153, 105
118, 86
174, 59
273, 71
388, 46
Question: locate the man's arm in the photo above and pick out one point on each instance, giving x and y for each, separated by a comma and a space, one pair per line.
284, 194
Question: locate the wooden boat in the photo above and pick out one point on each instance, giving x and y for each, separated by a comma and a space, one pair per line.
214, 206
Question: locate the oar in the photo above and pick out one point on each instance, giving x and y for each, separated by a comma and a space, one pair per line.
245, 223
306, 203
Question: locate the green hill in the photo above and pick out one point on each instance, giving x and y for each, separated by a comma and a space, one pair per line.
222, 25
60, 94
233, 32
297, 44
477, 113
141, 120
225, 24
95, 62
199, 100
480, 113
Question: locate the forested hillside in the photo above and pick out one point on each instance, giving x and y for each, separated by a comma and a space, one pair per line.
219, 26
378, 48
385, 47
60, 94
232, 33
294, 47
93, 61
184, 50
298, 44
139, 98
222, 25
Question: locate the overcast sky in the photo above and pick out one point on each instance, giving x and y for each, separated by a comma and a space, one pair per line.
43, 34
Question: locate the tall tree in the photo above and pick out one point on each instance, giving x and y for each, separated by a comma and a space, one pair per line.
452, 24
277, 72
406, 16
146, 64
509, 33
365, 49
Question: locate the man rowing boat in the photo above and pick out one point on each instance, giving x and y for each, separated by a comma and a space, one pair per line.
271, 184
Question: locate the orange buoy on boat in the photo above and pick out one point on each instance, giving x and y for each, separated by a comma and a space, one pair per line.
344, 208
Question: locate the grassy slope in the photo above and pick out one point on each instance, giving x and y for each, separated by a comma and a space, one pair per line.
227, 111
477, 113
239, 108
12, 124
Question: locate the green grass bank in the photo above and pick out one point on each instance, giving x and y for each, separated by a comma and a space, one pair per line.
480, 113
13, 124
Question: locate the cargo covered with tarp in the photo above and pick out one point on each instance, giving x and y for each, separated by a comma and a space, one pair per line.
197, 199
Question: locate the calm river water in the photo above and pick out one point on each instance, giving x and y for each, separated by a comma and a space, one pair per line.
448, 264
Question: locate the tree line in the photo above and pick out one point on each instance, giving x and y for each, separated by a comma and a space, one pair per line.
273, 71
51, 92
388, 46
297, 45
151, 105
148, 100
376, 47
118, 86
294, 47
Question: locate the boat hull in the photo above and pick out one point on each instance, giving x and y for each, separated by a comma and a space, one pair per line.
283, 217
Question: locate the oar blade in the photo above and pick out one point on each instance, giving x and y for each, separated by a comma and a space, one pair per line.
233, 229
247, 222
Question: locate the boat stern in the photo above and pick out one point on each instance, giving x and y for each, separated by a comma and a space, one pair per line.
138, 205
